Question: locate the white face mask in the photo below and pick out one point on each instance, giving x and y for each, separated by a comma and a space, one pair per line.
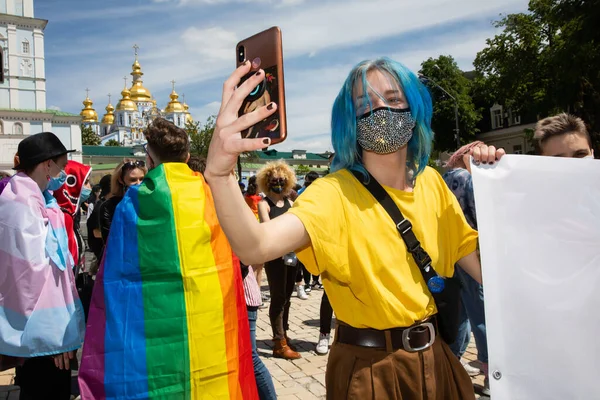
591, 157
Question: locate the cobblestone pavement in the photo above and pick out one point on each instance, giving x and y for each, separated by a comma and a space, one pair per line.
299, 379
304, 379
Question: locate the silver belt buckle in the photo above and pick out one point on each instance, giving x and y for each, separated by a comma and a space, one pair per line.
406, 337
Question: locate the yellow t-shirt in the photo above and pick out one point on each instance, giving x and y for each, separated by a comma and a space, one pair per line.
369, 276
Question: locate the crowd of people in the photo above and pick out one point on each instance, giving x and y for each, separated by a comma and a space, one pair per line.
164, 285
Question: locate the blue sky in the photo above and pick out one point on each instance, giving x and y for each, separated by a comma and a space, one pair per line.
89, 45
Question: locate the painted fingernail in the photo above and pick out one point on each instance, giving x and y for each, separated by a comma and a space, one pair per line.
266, 141
491, 163
246, 62
485, 162
258, 72
256, 62
270, 106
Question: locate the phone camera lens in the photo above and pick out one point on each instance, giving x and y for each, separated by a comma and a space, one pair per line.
241, 54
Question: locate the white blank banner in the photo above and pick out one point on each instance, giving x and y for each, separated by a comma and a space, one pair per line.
539, 226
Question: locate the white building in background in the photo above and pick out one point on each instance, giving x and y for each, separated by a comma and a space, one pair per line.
136, 108
23, 109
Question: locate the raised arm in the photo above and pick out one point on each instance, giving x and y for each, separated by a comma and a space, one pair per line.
253, 242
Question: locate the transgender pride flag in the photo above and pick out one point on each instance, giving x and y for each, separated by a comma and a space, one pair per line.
40, 311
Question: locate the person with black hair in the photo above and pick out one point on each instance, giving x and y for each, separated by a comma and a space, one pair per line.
94, 236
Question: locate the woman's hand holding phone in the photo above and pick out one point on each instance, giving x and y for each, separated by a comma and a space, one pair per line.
227, 143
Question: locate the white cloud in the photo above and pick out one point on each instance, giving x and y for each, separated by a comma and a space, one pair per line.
202, 50
205, 111
311, 92
212, 44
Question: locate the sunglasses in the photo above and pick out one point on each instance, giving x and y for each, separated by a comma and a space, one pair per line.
277, 181
129, 165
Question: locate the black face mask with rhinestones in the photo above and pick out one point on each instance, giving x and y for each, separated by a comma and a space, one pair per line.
385, 130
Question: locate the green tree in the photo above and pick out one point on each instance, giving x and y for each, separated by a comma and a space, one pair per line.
302, 170
546, 61
443, 73
89, 137
513, 70
199, 137
113, 143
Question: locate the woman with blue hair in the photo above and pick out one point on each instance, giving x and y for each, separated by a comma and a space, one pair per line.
387, 344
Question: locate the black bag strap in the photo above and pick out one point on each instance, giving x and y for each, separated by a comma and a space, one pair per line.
403, 226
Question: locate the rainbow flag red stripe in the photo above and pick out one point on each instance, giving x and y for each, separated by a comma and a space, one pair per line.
168, 317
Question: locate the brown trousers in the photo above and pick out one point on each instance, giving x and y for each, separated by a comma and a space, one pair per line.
362, 373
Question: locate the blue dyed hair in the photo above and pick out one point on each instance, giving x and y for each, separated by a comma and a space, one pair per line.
348, 154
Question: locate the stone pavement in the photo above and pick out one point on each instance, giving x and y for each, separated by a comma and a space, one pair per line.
302, 379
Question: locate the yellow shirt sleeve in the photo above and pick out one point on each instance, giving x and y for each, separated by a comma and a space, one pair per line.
321, 210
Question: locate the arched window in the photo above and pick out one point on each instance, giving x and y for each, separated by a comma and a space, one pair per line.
25, 46
18, 128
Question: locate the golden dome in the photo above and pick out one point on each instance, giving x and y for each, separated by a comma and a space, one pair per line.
138, 91
88, 114
174, 105
188, 116
109, 117
126, 104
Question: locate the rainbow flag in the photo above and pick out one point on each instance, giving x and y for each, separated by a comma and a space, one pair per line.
168, 317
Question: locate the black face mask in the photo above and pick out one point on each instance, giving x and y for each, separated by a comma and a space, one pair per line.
276, 185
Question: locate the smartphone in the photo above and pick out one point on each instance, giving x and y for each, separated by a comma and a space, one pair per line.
267, 46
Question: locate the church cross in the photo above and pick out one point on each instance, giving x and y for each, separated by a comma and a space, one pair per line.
173, 84
87, 92
109, 98
125, 79
135, 49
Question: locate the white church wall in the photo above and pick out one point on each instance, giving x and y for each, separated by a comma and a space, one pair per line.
63, 132
8, 148
4, 95
36, 127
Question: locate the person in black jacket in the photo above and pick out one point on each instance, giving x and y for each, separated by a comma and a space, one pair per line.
128, 173
94, 236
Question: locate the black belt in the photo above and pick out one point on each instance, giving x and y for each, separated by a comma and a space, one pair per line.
413, 338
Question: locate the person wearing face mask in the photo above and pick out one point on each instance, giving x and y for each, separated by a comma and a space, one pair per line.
276, 180
41, 316
70, 197
168, 317
563, 135
388, 342
126, 174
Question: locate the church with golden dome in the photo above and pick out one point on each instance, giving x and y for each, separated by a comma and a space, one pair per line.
134, 111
